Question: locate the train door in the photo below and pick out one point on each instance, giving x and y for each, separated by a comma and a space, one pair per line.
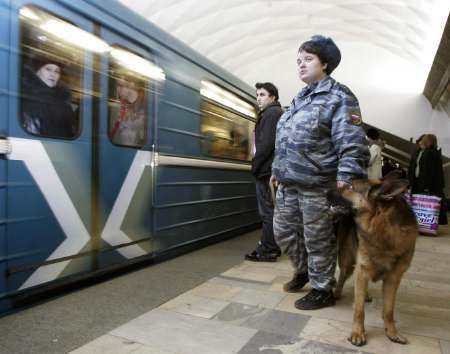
48, 197
126, 125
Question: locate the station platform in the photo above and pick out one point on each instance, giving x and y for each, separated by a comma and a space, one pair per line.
211, 301
244, 310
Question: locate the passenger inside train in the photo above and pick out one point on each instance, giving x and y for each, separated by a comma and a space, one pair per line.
128, 112
46, 108
51, 77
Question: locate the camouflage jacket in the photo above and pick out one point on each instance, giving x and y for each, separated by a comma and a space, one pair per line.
319, 138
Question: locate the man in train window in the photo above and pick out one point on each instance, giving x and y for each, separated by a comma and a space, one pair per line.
128, 118
269, 112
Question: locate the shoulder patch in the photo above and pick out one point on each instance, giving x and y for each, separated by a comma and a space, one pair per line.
355, 118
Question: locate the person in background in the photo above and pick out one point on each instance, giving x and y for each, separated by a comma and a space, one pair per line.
269, 113
46, 102
127, 125
426, 174
320, 146
375, 147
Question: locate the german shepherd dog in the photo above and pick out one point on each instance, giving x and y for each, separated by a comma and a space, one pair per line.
377, 241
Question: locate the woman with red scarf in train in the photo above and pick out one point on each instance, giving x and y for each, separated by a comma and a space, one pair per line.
128, 121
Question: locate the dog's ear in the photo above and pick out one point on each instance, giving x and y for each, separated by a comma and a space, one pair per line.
373, 191
390, 189
366, 187
363, 185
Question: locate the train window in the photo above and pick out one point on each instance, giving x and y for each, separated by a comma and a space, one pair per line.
129, 78
225, 125
51, 74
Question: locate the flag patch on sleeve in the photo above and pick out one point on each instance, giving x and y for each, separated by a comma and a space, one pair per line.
355, 118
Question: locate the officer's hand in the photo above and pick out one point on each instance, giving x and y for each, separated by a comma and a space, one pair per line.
341, 185
273, 181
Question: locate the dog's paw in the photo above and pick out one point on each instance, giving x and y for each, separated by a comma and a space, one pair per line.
397, 338
358, 339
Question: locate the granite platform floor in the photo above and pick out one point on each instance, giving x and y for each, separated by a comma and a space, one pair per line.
244, 310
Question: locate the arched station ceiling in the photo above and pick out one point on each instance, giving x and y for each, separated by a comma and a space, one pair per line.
258, 39
387, 47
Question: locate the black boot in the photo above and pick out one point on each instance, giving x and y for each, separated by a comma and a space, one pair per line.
296, 283
316, 299
258, 257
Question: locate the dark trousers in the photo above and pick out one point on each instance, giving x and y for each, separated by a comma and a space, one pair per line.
267, 243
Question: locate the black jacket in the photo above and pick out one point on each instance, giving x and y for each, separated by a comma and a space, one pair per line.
46, 110
431, 174
265, 131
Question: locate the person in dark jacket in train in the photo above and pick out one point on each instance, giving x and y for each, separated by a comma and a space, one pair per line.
46, 108
269, 112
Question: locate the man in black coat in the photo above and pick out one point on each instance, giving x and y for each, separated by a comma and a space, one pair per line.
270, 111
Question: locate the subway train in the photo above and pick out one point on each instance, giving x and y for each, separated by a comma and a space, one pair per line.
118, 144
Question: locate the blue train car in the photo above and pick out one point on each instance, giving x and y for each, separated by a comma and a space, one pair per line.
118, 144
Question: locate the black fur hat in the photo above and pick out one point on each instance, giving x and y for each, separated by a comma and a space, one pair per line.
325, 49
39, 62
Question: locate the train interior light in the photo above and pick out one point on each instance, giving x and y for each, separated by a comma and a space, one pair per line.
218, 94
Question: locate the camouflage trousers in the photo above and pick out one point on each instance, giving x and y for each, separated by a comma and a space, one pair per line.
303, 230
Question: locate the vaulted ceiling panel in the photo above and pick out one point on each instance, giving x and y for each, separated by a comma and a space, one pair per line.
243, 34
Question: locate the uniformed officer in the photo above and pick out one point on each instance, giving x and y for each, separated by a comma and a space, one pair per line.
320, 145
